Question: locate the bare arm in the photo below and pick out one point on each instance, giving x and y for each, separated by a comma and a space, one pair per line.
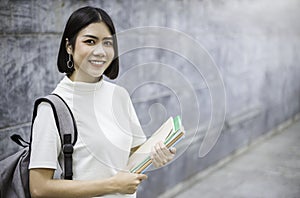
42, 185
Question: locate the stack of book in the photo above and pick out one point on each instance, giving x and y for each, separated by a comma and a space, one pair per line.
169, 133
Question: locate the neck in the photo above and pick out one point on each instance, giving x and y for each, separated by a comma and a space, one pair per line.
76, 77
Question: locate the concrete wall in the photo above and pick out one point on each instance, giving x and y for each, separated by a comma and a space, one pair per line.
255, 45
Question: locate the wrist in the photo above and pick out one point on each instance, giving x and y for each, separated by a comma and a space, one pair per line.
114, 186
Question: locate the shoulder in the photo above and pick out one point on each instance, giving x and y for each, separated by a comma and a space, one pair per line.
44, 122
44, 108
44, 115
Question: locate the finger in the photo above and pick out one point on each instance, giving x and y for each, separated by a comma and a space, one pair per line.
134, 189
164, 154
155, 163
159, 158
168, 153
155, 158
142, 177
164, 149
159, 148
172, 150
172, 153
155, 154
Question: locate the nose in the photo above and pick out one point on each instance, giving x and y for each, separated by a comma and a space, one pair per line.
99, 51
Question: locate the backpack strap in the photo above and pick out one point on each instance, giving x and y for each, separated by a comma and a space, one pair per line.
66, 127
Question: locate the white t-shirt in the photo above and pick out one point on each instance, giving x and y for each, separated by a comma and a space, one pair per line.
107, 125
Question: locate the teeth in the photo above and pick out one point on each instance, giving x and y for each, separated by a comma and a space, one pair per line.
98, 62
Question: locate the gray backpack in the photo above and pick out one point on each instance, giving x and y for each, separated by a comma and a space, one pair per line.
14, 173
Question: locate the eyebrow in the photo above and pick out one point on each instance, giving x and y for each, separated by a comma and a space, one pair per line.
95, 37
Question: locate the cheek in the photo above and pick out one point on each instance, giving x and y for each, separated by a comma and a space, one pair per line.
111, 52
82, 54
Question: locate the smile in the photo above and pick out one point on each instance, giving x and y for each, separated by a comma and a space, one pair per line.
97, 62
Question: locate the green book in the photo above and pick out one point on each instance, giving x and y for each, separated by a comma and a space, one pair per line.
170, 133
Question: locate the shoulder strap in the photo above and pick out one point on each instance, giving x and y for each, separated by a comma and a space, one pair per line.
66, 127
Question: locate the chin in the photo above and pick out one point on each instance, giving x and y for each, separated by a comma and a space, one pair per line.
97, 75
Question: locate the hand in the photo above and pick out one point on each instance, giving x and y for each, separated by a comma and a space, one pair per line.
127, 183
161, 155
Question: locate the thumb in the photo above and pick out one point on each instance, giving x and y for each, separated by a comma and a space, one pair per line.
172, 150
142, 176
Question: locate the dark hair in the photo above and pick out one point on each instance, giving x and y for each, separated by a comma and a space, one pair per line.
77, 21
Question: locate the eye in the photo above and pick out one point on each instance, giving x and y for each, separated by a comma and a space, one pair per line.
108, 43
90, 41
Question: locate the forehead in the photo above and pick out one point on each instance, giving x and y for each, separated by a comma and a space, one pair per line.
99, 29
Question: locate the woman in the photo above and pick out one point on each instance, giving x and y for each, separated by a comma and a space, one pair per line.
108, 128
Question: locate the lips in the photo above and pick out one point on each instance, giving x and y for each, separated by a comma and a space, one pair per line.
97, 62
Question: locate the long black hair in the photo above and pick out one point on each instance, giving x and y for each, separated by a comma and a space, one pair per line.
78, 20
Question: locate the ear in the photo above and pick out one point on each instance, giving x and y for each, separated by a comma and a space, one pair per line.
69, 47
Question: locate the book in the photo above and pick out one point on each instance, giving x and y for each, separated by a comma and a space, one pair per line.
170, 133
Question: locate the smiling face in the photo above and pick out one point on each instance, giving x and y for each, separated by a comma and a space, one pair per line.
93, 52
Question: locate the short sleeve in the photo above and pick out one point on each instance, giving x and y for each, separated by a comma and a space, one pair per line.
135, 126
45, 145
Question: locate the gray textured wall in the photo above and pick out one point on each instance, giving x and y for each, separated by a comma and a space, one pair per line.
255, 44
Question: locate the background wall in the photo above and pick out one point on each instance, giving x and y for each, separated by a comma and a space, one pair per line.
255, 45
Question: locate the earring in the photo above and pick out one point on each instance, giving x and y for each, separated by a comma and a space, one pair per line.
70, 62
